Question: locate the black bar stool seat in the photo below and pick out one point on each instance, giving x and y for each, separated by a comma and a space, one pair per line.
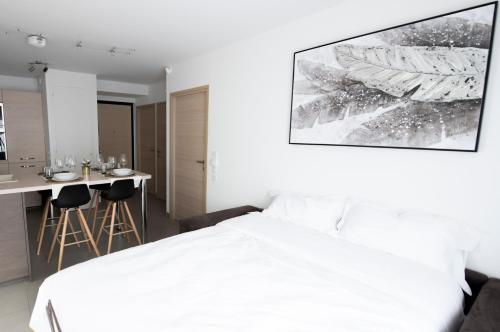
71, 197
120, 191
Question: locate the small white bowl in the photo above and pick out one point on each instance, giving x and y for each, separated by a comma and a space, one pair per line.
65, 176
122, 171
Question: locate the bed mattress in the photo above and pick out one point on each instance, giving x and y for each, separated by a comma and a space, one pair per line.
250, 273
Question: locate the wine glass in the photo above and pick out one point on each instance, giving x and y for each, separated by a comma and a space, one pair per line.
123, 160
71, 162
59, 163
111, 162
48, 172
66, 161
100, 160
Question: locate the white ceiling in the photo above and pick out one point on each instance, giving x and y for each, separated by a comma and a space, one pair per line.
161, 31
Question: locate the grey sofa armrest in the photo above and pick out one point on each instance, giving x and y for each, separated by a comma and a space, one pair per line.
484, 315
211, 219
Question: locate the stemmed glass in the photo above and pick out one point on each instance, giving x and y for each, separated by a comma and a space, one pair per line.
100, 160
70, 162
111, 162
123, 160
59, 164
66, 161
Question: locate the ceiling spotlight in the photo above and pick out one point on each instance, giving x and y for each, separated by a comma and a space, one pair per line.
37, 41
37, 67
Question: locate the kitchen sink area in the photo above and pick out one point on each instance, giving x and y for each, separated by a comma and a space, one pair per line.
7, 178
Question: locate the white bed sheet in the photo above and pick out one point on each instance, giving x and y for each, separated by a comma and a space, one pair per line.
250, 273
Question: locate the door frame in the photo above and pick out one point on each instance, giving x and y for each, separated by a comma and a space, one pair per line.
154, 179
132, 124
171, 189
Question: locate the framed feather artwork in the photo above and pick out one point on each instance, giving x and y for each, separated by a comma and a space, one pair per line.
420, 85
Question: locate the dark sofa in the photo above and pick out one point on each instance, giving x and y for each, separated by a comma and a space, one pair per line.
482, 309
211, 219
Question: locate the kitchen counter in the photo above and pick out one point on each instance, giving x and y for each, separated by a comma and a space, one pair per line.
30, 183
15, 262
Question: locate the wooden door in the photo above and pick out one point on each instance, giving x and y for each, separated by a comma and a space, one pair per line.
115, 130
188, 143
161, 150
146, 143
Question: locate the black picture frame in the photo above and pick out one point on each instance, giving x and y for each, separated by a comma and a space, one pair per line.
484, 95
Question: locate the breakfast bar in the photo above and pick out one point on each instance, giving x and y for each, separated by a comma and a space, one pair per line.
15, 260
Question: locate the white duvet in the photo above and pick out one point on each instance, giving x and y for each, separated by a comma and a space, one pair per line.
250, 273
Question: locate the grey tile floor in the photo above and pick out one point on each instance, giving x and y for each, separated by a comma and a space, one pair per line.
18, 298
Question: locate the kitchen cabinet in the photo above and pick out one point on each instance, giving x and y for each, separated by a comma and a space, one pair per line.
4, 168
13, 250
24, 126
25, 136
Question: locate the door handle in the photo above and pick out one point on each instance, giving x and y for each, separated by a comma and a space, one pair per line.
201, 162
27, 166
27, 158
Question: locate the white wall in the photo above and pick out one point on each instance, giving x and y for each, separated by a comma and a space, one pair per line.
18, 83
156, 93
119, 99
71, 106
250, 92
109, 87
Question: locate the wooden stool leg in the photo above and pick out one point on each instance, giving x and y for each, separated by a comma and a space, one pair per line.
96, 211
87, 231
41, 231
84, 233
132, 223
44, 220
112, 226
70, 224
89, 211
124, 220
103, 222
63, 240
54, 240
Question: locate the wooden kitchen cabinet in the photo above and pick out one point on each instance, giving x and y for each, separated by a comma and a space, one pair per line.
22, 170
4, 168
13, 250
24, 126
25, 135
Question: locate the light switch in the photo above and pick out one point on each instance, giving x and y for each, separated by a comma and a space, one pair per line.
214, 165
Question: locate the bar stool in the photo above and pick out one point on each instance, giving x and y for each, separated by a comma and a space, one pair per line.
98, 189
71, 197
46, 199
120, 191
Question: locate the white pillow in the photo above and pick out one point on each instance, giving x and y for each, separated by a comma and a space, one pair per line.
439, 243
463, 238
321, 213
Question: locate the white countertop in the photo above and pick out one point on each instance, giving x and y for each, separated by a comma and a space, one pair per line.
37, 182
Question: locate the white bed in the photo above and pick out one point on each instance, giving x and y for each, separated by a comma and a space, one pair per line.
251, 273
